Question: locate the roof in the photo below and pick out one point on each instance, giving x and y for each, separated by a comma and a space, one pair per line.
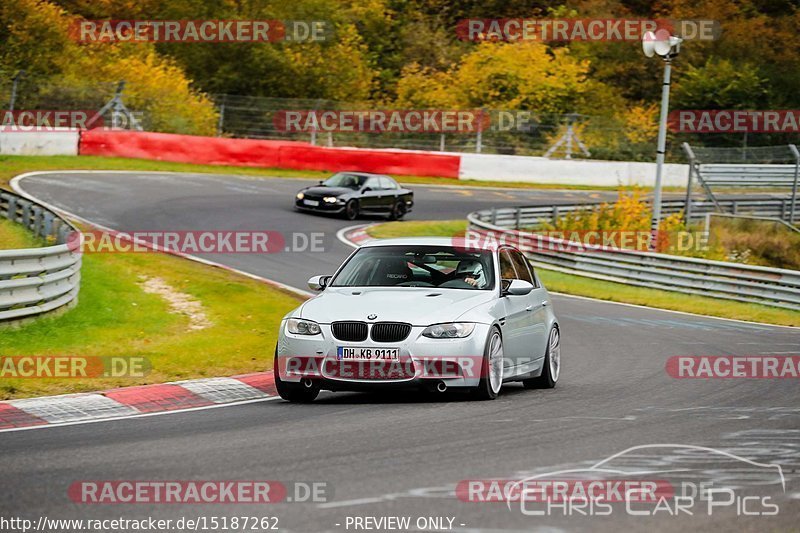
459, 242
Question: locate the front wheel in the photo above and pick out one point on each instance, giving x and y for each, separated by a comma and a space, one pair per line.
398, 211
351, 210
492, 370
552, 364
293, 392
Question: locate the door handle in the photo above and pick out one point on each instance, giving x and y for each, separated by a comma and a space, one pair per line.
545, 303
529, 308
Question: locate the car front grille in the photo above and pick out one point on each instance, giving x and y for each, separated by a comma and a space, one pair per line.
350, 331
390, 331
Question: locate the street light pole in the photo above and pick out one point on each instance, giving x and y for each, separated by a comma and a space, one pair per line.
666, 46
660, 151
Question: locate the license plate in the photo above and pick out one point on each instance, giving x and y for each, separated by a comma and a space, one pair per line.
344, 353
314, 203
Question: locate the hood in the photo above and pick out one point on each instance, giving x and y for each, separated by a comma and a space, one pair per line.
319, 190
415, 305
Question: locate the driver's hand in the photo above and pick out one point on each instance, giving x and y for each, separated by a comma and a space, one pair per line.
471, 281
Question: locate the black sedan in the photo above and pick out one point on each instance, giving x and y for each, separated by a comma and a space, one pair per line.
354, 193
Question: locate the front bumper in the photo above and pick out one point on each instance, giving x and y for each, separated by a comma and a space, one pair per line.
323, 207
422, 362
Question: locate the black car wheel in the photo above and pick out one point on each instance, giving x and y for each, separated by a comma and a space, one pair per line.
294, 392
351, 210
398, 211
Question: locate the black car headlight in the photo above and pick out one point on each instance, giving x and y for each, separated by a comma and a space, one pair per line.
300, 196
299, 326
330, 199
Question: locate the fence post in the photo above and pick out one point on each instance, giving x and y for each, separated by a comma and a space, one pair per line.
494, 216
15, 81
517, 217
221, 120
796, 154
441, 142
687, 213
555, 214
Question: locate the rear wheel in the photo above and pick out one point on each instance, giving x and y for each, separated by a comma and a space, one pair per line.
351, 209
492, 371
398, 211
552, 364
293, 392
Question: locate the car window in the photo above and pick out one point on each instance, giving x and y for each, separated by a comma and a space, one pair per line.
387, 183
373, 184
507, 266
521, 266
444, 267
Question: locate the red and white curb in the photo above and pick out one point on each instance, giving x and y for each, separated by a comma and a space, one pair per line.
130, 402
355, 236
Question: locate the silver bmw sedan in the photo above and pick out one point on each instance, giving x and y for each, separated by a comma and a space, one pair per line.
424, 313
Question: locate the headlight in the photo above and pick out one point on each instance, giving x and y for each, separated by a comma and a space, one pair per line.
300, 196
330, 199
453, 330
298, 326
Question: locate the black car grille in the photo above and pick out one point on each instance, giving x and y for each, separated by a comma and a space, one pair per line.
350, 331
390, 331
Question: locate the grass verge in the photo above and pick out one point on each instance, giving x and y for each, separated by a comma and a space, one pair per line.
115, 316
11, 166
607, 290
13, 235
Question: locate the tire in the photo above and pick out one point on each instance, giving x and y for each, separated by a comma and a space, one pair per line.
398, 211
552, 364
492, 368
351, 210
293, 392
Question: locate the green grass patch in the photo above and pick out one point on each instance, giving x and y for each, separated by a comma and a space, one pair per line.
415, 228
607, 290
116, 317
11, 166
13, 235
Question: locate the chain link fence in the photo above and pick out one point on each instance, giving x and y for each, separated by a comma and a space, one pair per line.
512, 132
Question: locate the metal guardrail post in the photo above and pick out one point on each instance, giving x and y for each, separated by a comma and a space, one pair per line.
493, 218
796, 154
517, 217
555, 214
11, 214
687, 214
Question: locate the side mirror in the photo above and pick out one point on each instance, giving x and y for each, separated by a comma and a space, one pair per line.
321, 182
366, 189
517, 287
318, 283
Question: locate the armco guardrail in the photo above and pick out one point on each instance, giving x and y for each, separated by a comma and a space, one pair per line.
731, 281
36, 280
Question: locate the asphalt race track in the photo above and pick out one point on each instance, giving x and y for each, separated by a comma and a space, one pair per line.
402, 455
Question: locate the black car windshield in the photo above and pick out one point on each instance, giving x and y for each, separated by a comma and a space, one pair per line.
351, 181
444, 267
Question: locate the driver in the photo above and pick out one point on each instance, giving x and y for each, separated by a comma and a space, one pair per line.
471, 271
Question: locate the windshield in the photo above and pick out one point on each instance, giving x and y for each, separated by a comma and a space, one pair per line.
443, 267
351, 181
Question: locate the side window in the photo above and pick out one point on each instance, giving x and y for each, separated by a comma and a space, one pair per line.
373, 184
521, 266
387, 184
506, 266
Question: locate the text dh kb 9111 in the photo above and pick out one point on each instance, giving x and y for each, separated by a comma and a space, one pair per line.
425, 313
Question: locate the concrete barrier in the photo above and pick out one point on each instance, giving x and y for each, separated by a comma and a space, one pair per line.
39, 142
490, 167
